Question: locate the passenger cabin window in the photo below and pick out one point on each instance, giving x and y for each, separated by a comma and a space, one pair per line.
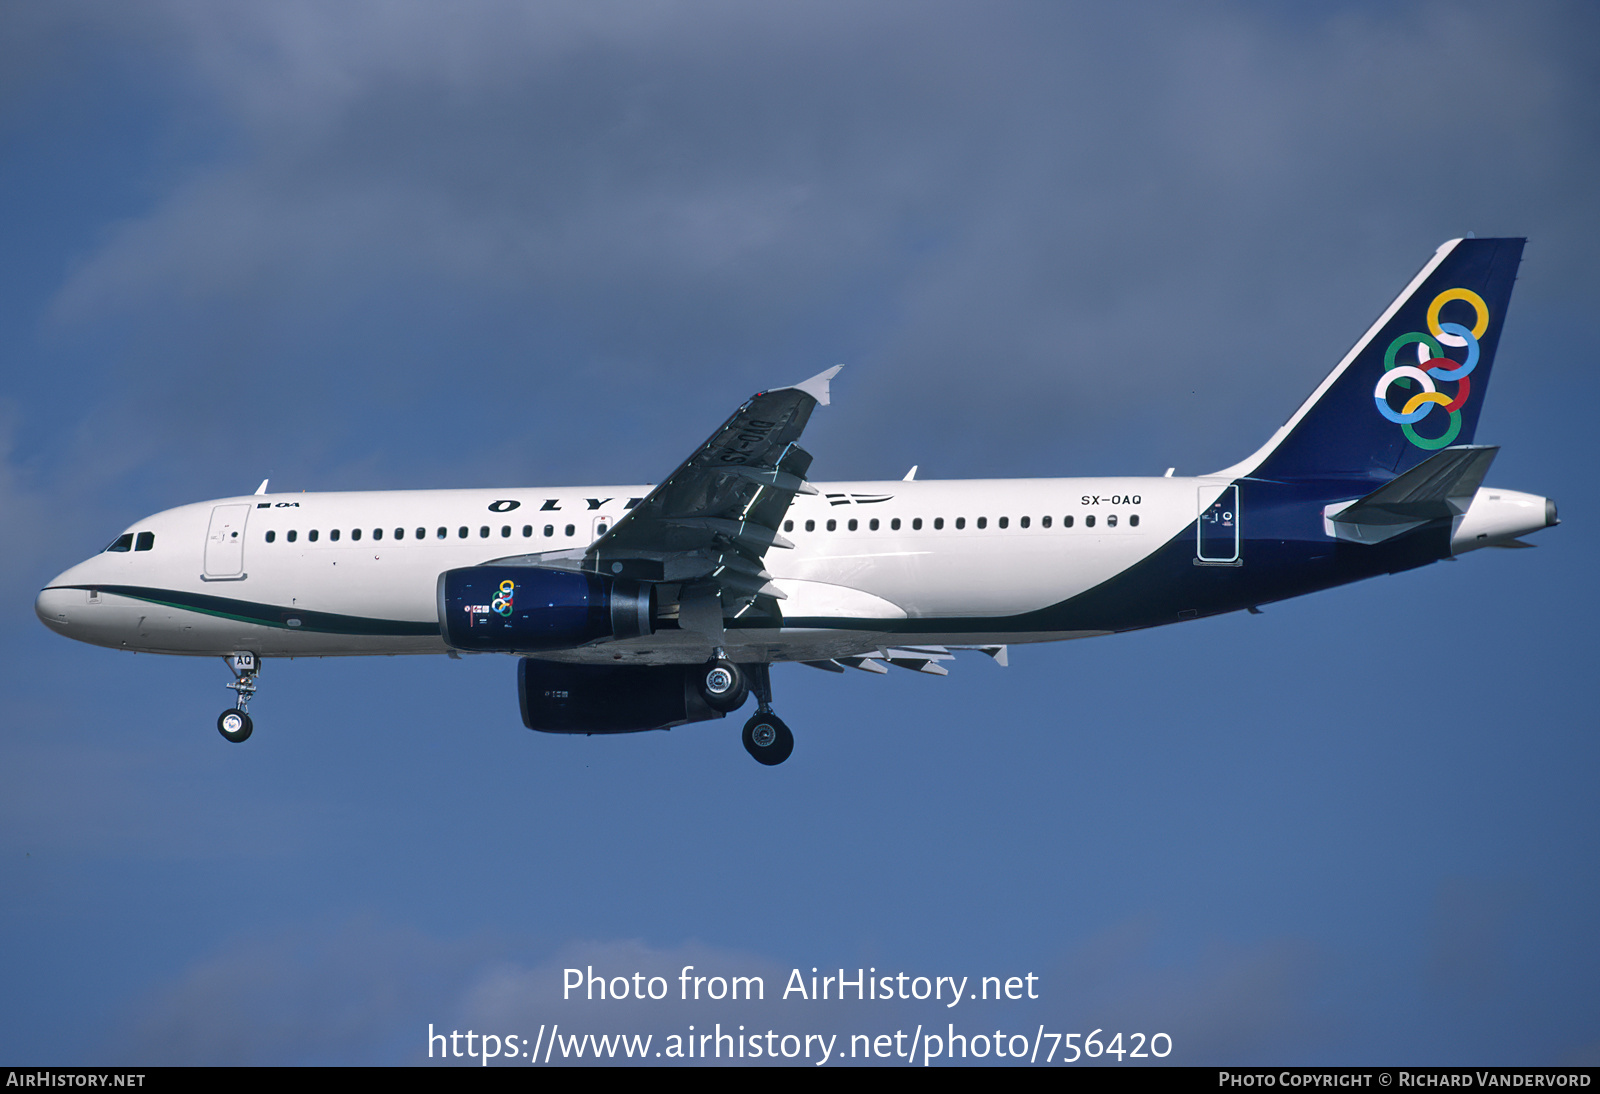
983, 522
441, 533
872, 525
788, 526
961, 522
312, 535
422, 533
916, 524
293, 535
505, 531
1133, 521
124, 542
1066, 521
527, 530
1111, 521
377, 533
549, 529
355, 533
271, 536
571, 529
399, 533
334, 535
1088, 521
145, 541
833, 525
1043, 521
852, 524
1004, 521
894, 525
1023, 522
938, 524
483, 532
811, 526
462, 534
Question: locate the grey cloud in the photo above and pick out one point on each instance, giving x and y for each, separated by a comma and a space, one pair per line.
1225, 1001
366, 991
1053, 212
350, 993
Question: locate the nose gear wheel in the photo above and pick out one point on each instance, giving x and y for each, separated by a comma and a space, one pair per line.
234, 724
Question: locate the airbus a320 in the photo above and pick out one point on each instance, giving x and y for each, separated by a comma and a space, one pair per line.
643, 607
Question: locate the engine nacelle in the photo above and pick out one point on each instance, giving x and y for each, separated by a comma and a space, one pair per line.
524, 609
562, 698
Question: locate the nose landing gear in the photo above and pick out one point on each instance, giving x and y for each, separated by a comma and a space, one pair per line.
235, 724
765, 736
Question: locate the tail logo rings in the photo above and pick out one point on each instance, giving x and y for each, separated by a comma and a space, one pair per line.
1433, 365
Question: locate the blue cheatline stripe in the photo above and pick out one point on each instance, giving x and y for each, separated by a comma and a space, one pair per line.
269, 615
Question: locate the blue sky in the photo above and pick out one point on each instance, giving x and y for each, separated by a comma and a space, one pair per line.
407, 245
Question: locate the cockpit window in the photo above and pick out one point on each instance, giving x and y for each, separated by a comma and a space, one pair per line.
145, 541
124, 542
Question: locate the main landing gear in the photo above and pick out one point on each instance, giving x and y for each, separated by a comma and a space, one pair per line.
234, 724
765, 736
725, 686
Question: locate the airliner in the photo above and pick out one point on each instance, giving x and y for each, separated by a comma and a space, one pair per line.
642, 607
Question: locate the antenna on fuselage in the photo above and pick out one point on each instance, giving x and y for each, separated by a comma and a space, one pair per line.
910, 475
262, 489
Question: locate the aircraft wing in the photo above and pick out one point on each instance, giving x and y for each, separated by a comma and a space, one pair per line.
711, 522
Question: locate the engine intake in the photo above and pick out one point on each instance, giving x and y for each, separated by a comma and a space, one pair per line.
526, 609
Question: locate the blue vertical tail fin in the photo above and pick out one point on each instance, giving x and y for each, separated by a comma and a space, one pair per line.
1416, 381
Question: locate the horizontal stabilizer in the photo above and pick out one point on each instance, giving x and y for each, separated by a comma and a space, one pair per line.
1437, 489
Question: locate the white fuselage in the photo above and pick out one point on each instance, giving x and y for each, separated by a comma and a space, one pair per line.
895, 551
336, 574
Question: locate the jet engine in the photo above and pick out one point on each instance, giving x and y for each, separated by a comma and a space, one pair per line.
526, 609
563, 698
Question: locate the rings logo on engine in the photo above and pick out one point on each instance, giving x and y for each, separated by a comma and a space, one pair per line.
504, 602
1432, 365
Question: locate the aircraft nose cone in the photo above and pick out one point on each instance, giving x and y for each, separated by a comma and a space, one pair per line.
52, 607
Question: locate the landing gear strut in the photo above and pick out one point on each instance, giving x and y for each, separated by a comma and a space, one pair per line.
765, 736
234, 724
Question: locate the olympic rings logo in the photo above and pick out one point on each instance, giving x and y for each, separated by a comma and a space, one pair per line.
1432, 364
503, 602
